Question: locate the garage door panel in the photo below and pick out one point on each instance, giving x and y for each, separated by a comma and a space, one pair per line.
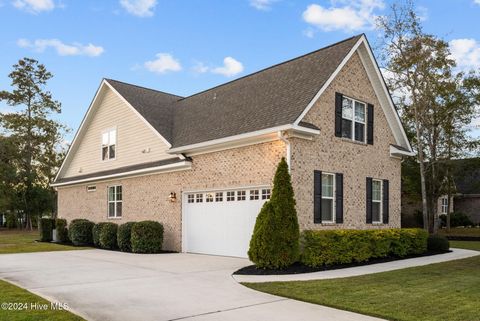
221, 227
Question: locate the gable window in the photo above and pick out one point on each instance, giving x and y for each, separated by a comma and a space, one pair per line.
444, 208
353, 119
109, 140
328, 192
115, 201
376, 201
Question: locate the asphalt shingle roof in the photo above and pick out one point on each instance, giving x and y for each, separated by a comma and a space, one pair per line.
274, 96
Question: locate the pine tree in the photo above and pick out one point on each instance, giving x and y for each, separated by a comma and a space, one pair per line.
275, 239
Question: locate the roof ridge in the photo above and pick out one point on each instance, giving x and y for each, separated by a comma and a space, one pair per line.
142, 87
273, 66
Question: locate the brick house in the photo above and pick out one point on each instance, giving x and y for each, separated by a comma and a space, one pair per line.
203, 165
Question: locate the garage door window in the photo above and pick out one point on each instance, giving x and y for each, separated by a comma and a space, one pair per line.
241, 195
191, 198
254, 195
219, 197
265, 194
199, 198
209, 197
230, 196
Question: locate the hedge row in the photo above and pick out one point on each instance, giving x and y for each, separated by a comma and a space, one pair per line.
346, 246
136, 237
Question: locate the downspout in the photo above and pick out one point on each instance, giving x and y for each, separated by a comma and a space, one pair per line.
284, 137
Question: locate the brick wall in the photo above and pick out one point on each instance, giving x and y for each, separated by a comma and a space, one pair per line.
356, 161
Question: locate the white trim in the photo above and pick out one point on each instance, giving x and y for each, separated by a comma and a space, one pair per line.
164, 168
376, 78
263, 135
395, 152
284, 137
329, 80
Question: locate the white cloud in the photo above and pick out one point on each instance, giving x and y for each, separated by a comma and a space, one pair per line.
231, 67
139, 8
309, 32
344, 15
466, 53
262, 4
200, 68
476, 1
62, 49
165, 62
34, 6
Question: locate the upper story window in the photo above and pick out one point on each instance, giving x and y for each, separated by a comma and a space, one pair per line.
109, 140
444, 209
353, 119
376, 201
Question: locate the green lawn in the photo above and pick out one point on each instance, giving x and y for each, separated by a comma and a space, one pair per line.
16, 241
438, 292
469, 245
25, 306
458, 231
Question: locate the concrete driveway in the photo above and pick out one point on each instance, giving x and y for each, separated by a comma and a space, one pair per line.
104, 285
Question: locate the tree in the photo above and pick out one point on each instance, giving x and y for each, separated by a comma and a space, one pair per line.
431, 97
275, 239
38, 137
8, 173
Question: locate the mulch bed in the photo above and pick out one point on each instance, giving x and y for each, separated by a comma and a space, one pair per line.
298, 268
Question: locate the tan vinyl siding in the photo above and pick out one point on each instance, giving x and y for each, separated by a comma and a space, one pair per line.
133, 136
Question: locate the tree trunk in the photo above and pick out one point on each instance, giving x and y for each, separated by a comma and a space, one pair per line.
422, 170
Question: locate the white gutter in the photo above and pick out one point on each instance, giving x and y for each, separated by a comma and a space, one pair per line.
284, 137
394, 151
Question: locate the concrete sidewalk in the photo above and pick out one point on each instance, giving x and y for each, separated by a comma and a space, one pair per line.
456, 254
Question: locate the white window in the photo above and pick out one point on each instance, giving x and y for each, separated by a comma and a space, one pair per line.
254, 194
109, 140
199, 198
191, 198
91, 188
266, 194
115, 201
353, 119
209, 197
241, 195
328, 192
444, 205
230, 196
219, 197
376, 201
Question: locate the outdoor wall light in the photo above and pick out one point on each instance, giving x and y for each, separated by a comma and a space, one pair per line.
172, 197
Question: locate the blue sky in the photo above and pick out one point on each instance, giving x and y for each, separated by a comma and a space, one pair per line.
184, 47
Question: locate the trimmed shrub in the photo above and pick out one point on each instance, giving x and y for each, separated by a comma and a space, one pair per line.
80, 232
62, 232
96, 230
124, 235
46, 229
347, 246
11, 221
275, 240
108, 236
147, 237
438, 243
457, 219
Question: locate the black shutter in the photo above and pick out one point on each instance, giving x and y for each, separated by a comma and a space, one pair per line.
369, 200
317, 197
338, 114
338, 198
385, 201
370, 124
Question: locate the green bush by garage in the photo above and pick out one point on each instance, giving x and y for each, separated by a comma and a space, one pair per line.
147, 237
108, 236
97, 228
124, 236
333, 247
47, 225
62, 231
80, 232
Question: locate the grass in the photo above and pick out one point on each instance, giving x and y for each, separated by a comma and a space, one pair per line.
10, 293
469, 245
459, 231
436, 292
18, 241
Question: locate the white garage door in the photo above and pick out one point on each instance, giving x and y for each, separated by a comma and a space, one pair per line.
221, 222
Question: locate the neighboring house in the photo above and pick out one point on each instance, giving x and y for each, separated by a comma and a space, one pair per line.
203, 165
